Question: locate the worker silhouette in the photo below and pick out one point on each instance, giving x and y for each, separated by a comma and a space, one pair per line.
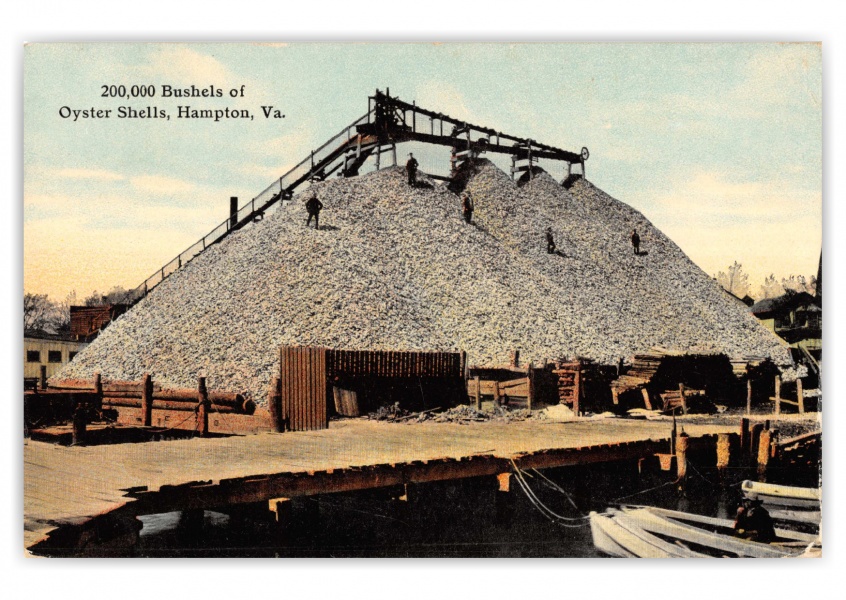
467, 207
550, 241
314, 206
636, 242
754, 522
411, 169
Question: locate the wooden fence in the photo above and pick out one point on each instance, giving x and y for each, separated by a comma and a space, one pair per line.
313, 380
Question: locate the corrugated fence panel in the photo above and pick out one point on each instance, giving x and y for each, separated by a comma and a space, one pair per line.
304, 401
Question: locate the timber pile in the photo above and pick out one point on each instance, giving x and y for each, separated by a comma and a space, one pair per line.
396, 268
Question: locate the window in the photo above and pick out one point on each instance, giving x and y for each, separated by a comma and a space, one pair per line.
71, 355
54, 356
33, 356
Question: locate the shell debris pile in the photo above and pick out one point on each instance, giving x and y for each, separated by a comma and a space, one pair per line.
397, 268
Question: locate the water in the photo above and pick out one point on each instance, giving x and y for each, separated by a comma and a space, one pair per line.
467, 518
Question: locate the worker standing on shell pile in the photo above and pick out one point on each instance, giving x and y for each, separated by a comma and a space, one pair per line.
314, 206
635, 241
550, 241
411, 169
467, 207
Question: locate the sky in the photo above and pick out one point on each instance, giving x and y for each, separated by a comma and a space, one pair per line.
719, 145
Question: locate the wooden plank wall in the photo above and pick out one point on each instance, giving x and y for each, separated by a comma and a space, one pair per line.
388, 363
303, 379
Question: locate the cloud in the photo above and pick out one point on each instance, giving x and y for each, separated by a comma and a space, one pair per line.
184, 66
100, 174
159, 184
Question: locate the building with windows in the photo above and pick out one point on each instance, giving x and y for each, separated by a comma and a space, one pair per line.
796, 317
54, 350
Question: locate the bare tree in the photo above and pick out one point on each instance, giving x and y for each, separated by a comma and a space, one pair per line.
734, 280
113, 296
40, 312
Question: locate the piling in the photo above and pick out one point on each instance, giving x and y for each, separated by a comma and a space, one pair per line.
745, 439
681, 458
477, 392
43, 377
777, 394
748, 396
755, 440
147, 400
763, 454
723, 456
800, 396
683, 399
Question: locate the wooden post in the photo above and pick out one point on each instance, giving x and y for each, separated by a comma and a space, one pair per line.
477, 392
43, 377
763, 454
745, 440
800, 396
202, 407
274, 405
723, 455
778, 394
496, 393
531, 384
673, 436
620, 362
615, 395
515, 358
683, 399
646, 402
147, 400
98, 389
463, 362
748, 396
577, 390
681, 457
79, 422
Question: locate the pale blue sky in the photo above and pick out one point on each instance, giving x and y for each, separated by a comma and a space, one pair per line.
720, 145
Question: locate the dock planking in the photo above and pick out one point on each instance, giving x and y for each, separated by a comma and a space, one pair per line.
70, 485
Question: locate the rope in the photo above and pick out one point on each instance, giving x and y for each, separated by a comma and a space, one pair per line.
657, 487
543, 508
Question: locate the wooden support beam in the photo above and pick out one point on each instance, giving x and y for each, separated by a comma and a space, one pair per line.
615, 396
800, 396
683, 399
646, 402
531, 385
504, 481
755, 439
778, 394
43, 377
274, 405
577, 391
203, 406
477, 392
147, 400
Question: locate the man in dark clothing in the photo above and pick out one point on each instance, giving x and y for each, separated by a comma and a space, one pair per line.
754, 523
635, 241
467, 207
550, 241
313, 206
411, 168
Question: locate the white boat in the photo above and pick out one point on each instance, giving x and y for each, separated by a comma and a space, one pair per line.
650, 532
785, 502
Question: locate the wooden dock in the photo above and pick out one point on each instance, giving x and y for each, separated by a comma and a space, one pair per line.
73, 485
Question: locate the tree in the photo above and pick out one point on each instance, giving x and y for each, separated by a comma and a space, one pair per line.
770, 288
114, 296
41, 313
734, 281
798, 283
